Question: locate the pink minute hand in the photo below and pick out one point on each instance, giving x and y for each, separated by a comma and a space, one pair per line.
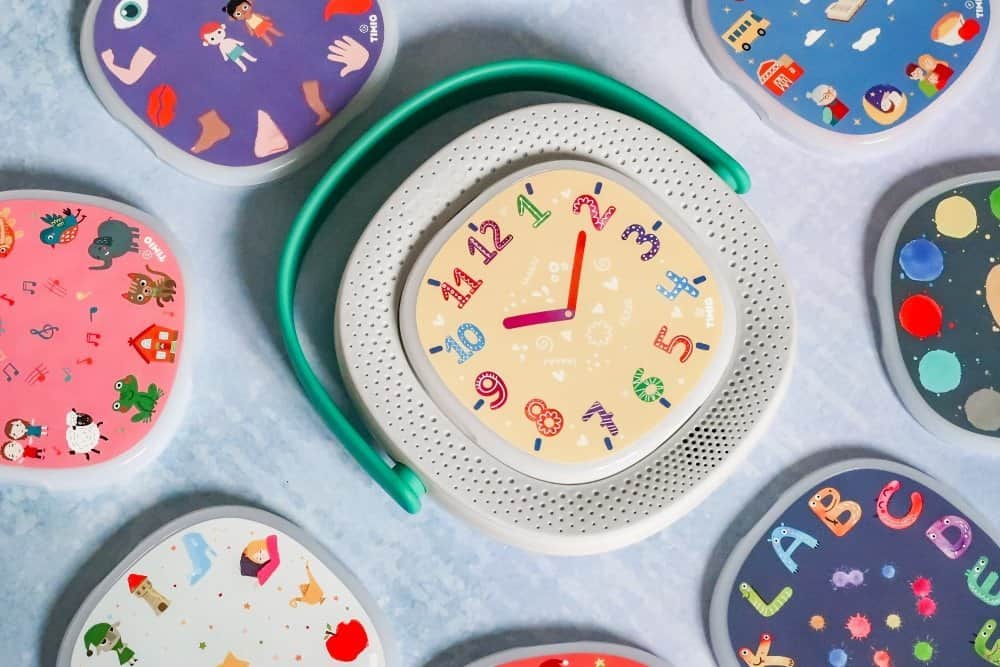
543, 317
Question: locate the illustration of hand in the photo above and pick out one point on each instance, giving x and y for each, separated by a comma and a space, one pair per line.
348, 52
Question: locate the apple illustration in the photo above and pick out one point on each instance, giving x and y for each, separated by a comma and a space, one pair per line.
347, 642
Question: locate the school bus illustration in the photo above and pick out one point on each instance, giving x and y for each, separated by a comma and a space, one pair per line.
745, 31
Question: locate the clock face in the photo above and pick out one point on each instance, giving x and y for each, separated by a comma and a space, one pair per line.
566, 322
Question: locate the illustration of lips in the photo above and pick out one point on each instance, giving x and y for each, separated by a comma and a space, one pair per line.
162, 106
347, 642
334, 7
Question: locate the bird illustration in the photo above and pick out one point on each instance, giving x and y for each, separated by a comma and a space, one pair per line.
63, 227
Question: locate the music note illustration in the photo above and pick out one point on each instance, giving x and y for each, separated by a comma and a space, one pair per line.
53, 285
37, 374
7, 298
69, 376
93, 311
10, 371
87, 361
28, 285
46, 332
94, 338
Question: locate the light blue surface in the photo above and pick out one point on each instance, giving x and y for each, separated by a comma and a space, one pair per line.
452, 594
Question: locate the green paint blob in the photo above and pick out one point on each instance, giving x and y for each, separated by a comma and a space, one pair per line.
995, 203
940, 371
923, 651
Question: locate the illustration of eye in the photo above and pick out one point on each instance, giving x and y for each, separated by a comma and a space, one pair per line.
130, 13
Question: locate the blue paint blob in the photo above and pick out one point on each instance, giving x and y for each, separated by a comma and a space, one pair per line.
921, 260
940, 371
889, 571
838, 657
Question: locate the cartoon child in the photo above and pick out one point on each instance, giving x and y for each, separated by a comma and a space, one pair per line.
214, 34
15, 451
18, 429
931, 74
260, 559
257, 24
104, 637
825, 96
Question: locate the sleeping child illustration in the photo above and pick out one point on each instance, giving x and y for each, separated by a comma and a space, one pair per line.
260, 559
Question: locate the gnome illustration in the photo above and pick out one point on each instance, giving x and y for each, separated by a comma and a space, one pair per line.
104, 637
141, 587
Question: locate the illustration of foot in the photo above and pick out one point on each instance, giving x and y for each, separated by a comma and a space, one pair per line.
315, 101
270, 139
213, 130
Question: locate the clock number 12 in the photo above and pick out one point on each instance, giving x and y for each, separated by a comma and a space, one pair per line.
498, 242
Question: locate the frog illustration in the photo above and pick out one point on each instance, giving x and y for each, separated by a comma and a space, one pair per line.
130, 397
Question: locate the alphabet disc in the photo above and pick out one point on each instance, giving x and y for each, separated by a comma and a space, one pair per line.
864, 562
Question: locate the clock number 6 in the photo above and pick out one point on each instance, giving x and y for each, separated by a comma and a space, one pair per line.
600, 220
643, 238
548, 421
467, 347
488, 385
498, 243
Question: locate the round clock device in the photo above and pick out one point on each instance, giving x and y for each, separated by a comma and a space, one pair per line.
564, 325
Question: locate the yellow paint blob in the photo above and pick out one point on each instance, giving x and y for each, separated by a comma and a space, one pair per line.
993, 293
956, 217
893, 622
817, 623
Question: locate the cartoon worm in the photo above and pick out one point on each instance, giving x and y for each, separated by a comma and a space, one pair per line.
886, 517
982, 591
990, 655
764, 609
762, 657
641, 386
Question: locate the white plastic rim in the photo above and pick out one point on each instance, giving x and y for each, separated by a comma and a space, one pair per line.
279, 167
352, 583
503, 501
891, 354
140, 455
527, 653
559, 473
784, 121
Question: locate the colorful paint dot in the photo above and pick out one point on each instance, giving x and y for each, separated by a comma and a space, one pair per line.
940, 371
817, 623
995, 203
926, 607
838, 657
922, 587
921, 260
982, 409
921, 316
859, 626
893, 621
882, 659
956, 217
923, 651
889, 571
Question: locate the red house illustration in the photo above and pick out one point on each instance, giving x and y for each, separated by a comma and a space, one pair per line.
156, 343
779, 75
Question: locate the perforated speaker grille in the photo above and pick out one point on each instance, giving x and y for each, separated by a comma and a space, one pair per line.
540, 515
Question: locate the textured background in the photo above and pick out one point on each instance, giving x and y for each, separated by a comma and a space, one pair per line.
452, 594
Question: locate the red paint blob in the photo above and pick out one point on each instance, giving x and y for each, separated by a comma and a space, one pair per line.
334, 7
921, 316
922, 587
859, 626
926, 607
162, 107
882, 659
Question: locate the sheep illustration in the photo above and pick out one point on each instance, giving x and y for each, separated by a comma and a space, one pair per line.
83, 434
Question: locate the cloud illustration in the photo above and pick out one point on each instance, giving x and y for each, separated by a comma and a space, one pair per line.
867, 40
813, 36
